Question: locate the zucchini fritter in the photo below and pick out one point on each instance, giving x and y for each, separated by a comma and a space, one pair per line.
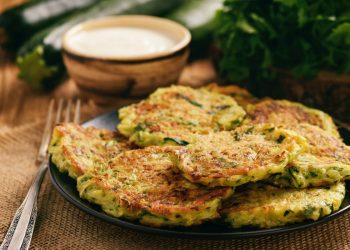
242, 96
143, 184
326, 160
288, 114
172, 115
75, 149
266, 206
232, 158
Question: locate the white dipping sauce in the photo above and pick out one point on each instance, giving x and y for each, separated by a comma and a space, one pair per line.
120, 41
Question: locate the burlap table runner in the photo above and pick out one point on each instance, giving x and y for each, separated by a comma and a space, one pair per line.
60, 225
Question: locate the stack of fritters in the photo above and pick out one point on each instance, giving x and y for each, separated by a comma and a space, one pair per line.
187, 156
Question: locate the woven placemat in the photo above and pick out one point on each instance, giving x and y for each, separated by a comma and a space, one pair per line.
60, 225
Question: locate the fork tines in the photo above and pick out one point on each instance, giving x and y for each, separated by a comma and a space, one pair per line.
58, 118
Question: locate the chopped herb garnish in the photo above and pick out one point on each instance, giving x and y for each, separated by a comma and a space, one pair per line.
237, 136
308, 211
83, 179
222, 107
249, 130
339, 169
270, 129
236, 122
176, 140
140, 127
293, 170
230, 164
313, 174
331, 207
286, 213
321, 212
190, 101
281, 139
191, 123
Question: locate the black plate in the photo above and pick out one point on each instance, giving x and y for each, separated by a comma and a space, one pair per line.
67, 187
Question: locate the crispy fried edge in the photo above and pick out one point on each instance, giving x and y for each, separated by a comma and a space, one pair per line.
94, 190
254, 175
269, 216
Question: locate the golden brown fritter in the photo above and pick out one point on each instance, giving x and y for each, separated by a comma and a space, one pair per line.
232, 158
266, 206
74, 149
288, 114
325, 160
143, 184
242, 96
172, 115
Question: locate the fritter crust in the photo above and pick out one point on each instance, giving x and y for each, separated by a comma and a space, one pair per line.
232, 158
143, 184
74, 149
266, 206
172, 115
326, 160
242, 96
289, 114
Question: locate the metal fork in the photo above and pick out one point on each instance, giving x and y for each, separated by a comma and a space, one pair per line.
20, 232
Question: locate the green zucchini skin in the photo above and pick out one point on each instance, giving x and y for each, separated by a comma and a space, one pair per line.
40, 60
19, 23
198, 16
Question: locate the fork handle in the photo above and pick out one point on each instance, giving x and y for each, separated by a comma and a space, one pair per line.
21, 229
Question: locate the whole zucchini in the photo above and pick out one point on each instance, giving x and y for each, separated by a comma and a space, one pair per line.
19, 23
40, 60
198, 16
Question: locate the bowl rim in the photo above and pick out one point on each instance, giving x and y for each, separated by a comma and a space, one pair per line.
179, 46
75, 57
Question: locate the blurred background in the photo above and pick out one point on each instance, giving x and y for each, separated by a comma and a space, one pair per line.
286, 49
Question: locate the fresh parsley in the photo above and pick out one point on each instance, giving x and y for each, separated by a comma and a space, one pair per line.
257, 38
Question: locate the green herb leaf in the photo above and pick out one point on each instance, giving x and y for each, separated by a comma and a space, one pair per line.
308, 211
140, 127
190, 101
176, 140
286, 213
340, 35
281, 139
303, 37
